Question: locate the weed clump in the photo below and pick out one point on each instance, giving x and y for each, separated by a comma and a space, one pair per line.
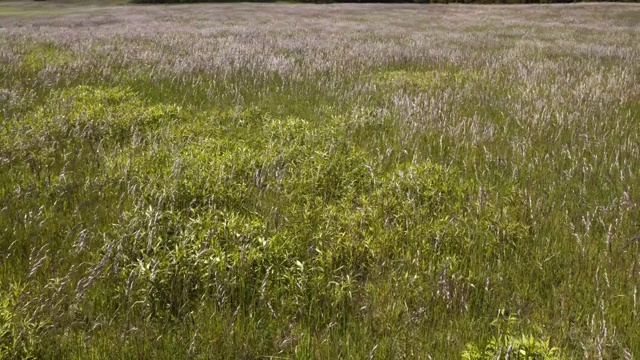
507, 344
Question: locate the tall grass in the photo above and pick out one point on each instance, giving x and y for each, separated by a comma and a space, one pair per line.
340, 181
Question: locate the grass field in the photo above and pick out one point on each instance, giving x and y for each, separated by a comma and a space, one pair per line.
245, 181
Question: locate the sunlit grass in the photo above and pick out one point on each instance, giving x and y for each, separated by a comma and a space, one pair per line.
299, 181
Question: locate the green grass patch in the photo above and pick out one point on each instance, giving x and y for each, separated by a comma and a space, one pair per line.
428, 80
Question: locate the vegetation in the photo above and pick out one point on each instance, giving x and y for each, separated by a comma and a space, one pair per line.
284, 181
382, 1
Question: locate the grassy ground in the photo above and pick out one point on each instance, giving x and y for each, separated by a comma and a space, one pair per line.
22, 10
331, 181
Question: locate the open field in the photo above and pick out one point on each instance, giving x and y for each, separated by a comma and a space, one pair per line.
247, 181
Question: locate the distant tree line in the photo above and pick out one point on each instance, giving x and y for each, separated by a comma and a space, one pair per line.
385, 1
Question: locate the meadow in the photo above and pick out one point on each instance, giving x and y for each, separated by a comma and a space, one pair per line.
289, 181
